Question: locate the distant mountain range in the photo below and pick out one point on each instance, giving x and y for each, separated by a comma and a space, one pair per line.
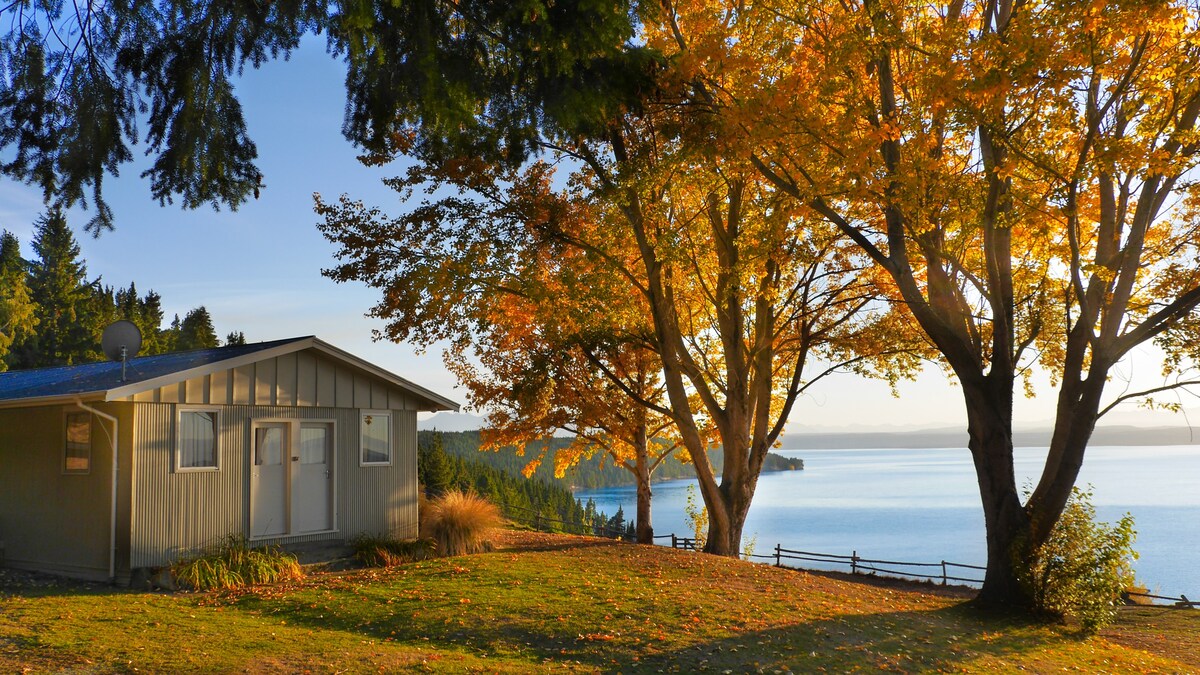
956, 437
943, 437
451, 421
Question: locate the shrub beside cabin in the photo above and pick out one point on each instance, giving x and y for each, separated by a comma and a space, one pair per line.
284, 442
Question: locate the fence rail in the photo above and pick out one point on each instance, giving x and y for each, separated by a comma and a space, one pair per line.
1181, 601
858, 565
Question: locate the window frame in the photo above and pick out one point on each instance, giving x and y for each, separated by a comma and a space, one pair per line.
180, 411
362, 446
67, 415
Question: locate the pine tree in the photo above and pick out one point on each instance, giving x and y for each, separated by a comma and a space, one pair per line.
433, 468
97, 311
236, 337
17, 311
128, 305
150, 312
170, 336
58, 286
196, 331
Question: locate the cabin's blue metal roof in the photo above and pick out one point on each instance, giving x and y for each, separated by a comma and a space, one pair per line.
91, 378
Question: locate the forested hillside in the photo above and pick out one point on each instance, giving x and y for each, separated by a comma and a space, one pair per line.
593, 473
532, 501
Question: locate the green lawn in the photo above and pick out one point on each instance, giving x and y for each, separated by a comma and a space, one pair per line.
556, 603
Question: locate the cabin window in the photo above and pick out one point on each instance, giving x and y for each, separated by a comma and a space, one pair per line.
77, 456
197, 446
376, 439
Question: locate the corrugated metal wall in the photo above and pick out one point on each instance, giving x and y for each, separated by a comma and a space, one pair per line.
52, 521
176, 512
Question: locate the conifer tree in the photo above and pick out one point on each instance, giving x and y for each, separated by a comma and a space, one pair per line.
128, 305
17, 311
433, 468
150, 311
58, 286
97, 311
196, 331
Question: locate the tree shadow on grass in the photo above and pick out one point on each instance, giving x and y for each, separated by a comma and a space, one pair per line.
945, 639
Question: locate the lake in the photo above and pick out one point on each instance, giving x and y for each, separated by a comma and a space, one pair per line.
923, 505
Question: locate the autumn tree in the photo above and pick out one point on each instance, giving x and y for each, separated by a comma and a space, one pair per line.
1020, 172
739, 291
569, 353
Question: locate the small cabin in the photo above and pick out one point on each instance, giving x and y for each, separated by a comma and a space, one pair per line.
107, 471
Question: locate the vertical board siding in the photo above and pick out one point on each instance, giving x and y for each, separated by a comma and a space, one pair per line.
285, 380
302, 379
264, 382
243, 385
326, 378
177, 513
306, 379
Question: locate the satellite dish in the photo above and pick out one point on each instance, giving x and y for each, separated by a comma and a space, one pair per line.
120, 342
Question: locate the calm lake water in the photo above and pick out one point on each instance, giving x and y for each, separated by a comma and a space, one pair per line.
923, 505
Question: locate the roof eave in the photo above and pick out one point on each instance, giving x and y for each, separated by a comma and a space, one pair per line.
134, 388
57, 399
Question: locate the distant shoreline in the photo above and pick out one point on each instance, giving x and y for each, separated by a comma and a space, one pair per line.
957, 438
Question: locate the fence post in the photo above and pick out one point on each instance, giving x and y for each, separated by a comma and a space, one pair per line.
778, 556
944, 573
674, 541
537, 521
854, 562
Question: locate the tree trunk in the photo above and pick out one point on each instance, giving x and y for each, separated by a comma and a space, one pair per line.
990, 426
727, 516
724, 534
645, 530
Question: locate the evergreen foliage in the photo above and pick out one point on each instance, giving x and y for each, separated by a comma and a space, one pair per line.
73, 84
196, 331
17, 312
51, 314
59, 289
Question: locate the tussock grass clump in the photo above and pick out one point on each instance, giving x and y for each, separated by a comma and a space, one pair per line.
234, 564
460, 523
386, 551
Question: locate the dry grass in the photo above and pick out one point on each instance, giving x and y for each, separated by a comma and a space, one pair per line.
460, 523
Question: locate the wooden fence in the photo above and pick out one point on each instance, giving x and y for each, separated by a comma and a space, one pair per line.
937, 571
1181, 601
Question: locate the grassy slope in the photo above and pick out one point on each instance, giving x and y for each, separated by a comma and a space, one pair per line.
558, 602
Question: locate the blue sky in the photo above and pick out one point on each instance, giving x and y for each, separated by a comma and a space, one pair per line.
258, 270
